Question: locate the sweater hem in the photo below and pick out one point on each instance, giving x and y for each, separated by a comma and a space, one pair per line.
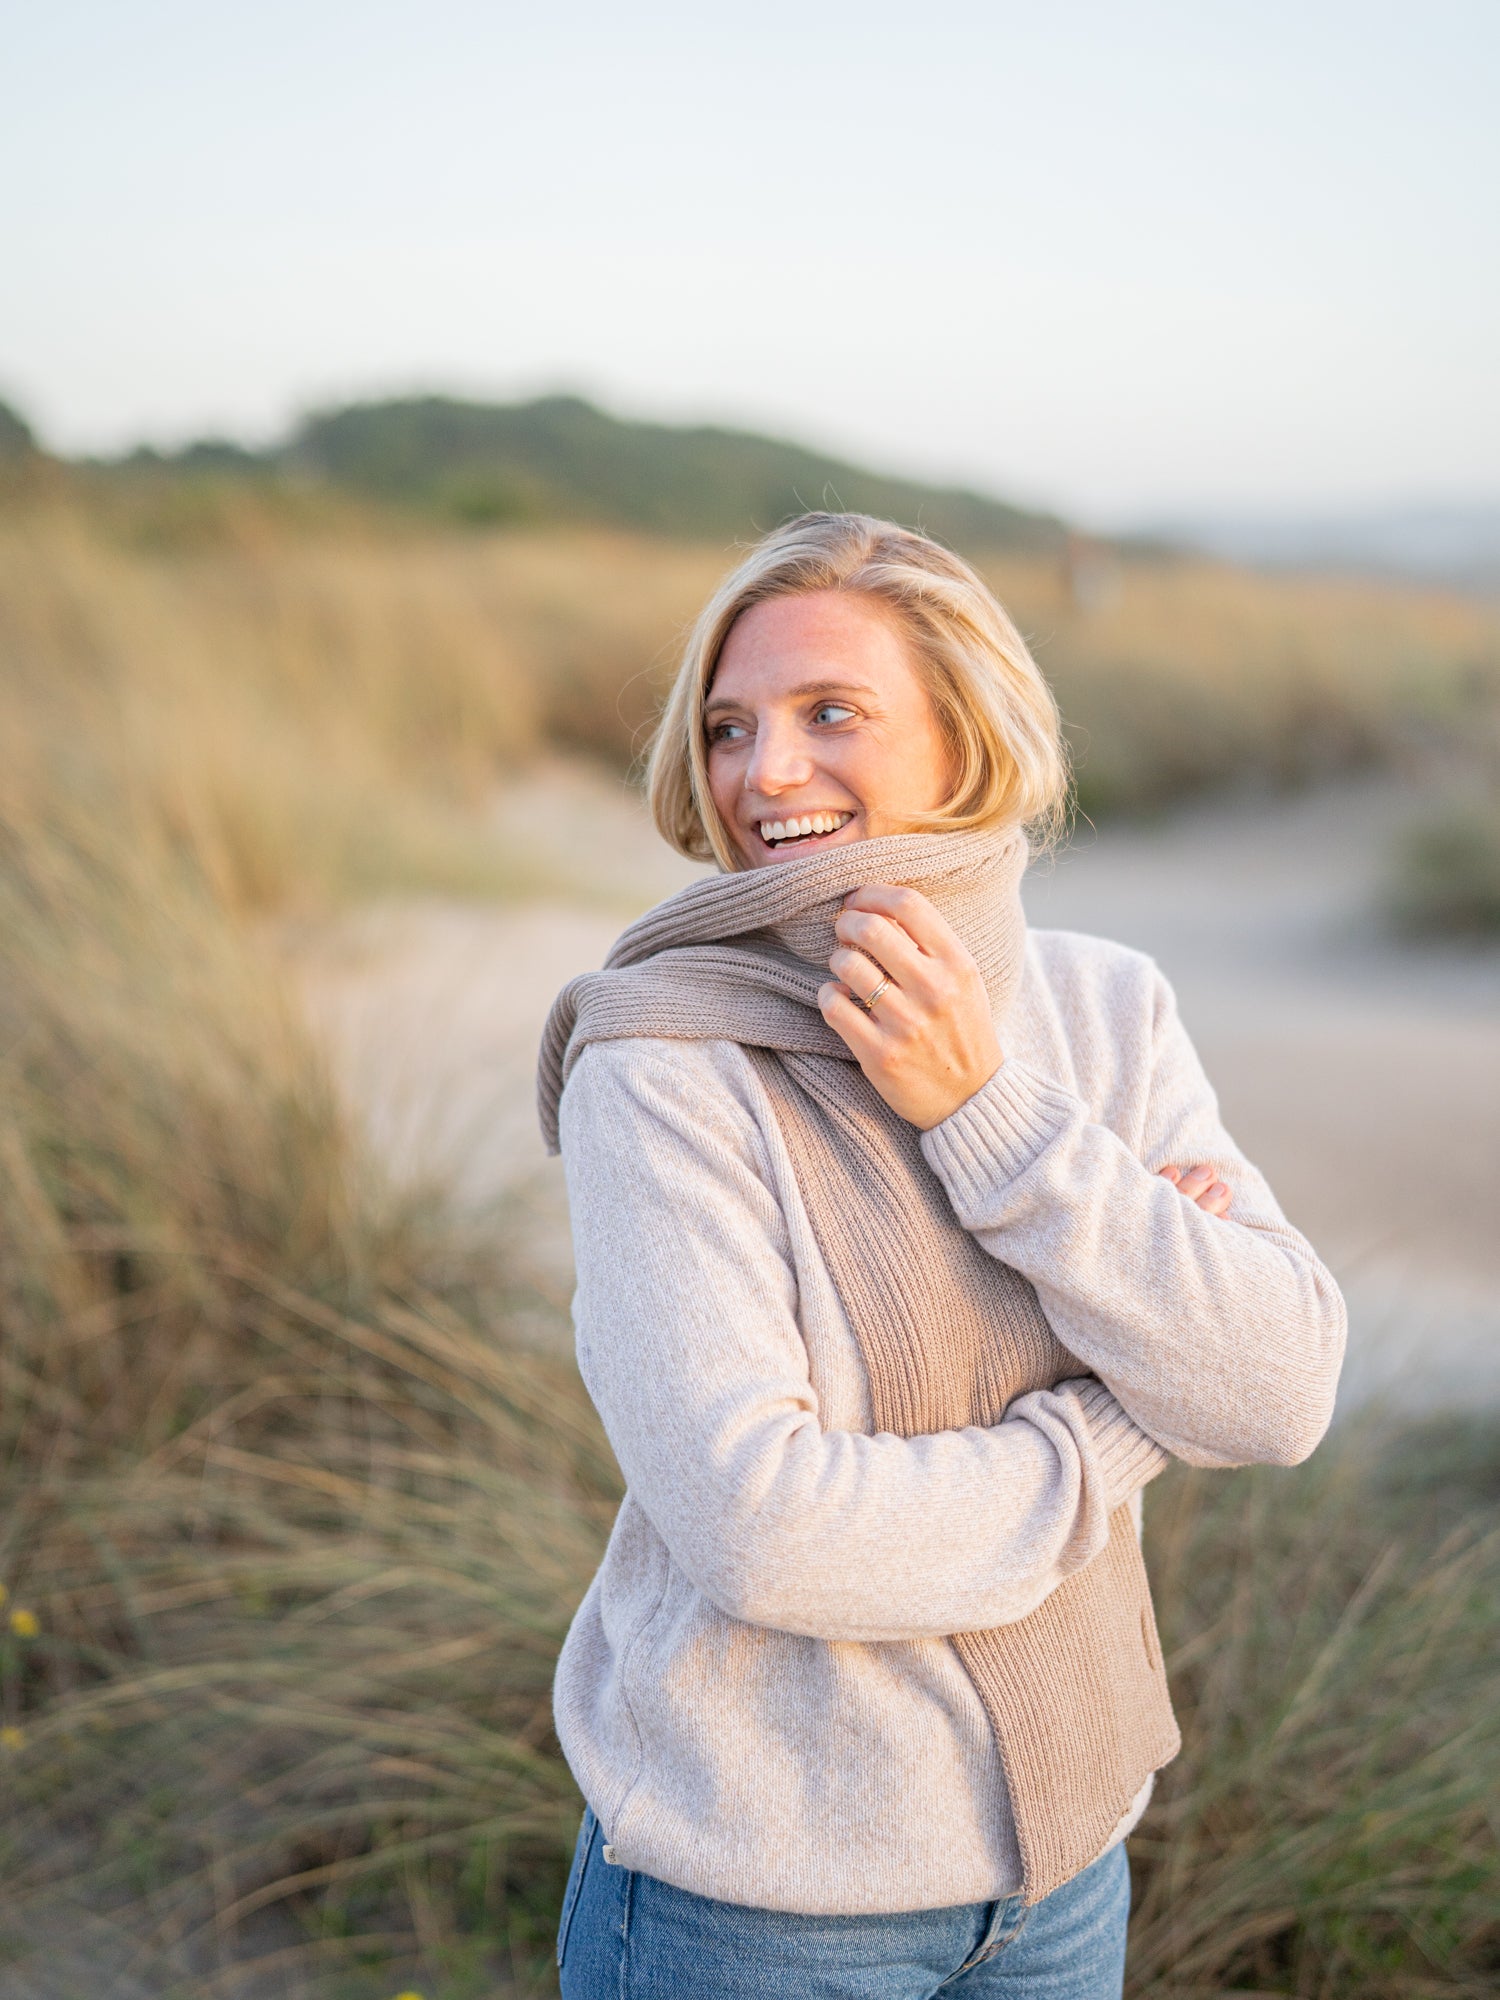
730, 1885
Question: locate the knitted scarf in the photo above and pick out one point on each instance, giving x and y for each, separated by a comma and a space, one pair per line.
1075, 1691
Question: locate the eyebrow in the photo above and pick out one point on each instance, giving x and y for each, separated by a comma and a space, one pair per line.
804, 688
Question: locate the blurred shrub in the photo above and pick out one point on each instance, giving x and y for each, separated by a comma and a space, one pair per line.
1447, 873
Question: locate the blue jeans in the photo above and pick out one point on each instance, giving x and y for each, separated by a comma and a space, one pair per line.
627, 1936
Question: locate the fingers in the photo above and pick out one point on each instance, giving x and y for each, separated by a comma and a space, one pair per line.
884, 941
862, 976
848, 1020
1200, 1186
933, 983
909, 911
873, 947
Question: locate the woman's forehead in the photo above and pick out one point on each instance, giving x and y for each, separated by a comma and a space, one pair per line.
820, 642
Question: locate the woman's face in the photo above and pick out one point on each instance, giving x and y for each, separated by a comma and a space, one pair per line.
817, 713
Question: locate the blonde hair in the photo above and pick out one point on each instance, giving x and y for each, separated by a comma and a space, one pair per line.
995, 710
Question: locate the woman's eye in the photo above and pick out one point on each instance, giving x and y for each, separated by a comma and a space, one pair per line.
832, 711
725, 732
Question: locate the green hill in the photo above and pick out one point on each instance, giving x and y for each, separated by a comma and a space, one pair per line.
16, 437
560, 458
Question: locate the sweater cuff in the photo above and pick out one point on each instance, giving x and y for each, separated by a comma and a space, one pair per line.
996, 1134
1128, 1457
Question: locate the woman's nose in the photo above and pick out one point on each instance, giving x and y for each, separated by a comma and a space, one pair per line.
779, 761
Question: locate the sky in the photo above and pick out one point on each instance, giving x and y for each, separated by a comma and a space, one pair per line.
1134, 260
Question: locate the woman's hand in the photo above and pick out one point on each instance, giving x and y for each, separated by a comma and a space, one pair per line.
1199, 1185
929, 1043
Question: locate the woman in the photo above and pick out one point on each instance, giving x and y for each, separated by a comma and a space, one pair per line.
910, 1247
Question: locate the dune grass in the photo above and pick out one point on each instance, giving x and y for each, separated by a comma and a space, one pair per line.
294, 1667
1189, 675
291, 1530
319, 704
1332, 1638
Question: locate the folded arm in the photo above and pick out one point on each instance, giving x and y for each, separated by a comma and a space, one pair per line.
689, 1343
1221, 1335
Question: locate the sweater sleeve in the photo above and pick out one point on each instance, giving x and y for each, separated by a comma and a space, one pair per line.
689, 1344
1222, 1336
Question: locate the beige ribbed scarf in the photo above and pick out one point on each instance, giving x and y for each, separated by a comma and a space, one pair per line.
1075, 1691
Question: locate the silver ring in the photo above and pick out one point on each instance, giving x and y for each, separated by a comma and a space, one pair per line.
869, 1005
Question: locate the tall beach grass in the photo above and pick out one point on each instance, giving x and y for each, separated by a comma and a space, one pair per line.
291, 1529
1332, 1637
321, 708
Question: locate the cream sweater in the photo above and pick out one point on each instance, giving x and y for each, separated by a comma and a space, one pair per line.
756, 1696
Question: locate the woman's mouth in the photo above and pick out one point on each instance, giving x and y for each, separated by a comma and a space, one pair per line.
804, 830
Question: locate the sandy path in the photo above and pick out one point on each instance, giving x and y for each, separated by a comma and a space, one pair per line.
1363, 1077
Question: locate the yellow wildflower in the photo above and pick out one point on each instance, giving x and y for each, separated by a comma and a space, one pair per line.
12, 1738
24, 1624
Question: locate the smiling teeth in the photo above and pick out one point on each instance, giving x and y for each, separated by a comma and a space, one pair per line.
799, 829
